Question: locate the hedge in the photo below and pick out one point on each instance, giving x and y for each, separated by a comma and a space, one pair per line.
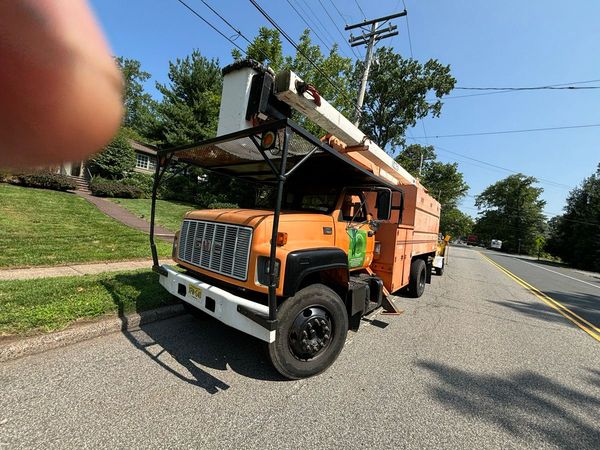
42, 179
102, 187
222, 205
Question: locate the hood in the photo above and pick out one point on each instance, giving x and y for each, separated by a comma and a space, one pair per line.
254, 217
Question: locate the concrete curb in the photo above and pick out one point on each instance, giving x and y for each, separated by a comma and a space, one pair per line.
38, 344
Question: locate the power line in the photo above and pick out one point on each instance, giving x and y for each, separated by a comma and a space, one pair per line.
239, 33
336, 27
298, 49
524, 88
511, 90
408, 32
306, 23
317, 21
527, 130
356, 52
194, 12
360, 9
512, 210
495, 166
338, 11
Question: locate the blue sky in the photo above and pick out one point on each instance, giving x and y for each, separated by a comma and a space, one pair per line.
512, 43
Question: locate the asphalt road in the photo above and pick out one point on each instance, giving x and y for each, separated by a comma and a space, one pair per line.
477, 362
577, 290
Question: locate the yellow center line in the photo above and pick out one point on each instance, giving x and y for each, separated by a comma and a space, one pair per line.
557, 306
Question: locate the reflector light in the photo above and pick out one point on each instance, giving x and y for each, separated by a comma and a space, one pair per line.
281, 239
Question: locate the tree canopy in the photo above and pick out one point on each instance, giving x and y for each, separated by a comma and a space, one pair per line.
189, 110
512, 212
575, 235
455, 223
444, 182
396, 95
140, 114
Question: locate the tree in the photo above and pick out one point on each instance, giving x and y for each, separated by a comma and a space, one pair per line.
140, 115
396, 94
512, 212
265, 48
575, 235
116, 161
416, 158
189, 110
455, 223
443, 180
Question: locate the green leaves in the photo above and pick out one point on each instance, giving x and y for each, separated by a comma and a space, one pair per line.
140, 114
396, 94
575, 235
513, 213
443, 180
189, 110
116, 161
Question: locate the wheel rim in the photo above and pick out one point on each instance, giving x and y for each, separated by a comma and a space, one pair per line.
310, 333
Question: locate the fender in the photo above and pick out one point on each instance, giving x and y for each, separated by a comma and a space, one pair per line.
301, 263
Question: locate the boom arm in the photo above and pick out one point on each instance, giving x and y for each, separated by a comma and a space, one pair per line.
330, 119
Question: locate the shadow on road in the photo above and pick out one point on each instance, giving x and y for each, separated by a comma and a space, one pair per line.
187, 347
583, 304
528, 405
535, 310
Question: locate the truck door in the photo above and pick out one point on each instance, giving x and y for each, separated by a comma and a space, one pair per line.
353, 230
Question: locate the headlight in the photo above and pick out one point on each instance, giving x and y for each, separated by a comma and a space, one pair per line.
263, 270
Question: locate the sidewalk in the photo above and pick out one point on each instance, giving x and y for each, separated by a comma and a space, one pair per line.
76, 269
125, 217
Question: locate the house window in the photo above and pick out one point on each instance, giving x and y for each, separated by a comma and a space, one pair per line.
141, 161
145, 162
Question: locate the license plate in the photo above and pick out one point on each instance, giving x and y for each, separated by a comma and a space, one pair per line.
195, 291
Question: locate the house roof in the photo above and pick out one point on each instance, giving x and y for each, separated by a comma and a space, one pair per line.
143, 148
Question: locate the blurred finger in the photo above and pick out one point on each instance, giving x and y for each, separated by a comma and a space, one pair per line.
60, 96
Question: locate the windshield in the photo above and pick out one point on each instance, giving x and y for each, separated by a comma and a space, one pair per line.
322, 201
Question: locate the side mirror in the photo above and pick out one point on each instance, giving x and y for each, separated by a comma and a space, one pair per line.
384, 204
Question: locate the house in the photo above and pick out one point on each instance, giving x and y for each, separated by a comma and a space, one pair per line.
145, 162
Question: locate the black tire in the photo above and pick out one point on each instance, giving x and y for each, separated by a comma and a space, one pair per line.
417, 280
296, 355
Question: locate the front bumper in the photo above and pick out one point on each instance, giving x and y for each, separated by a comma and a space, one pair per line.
221, 304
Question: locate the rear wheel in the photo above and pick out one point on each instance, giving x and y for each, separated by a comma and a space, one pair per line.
416, 285
311, 333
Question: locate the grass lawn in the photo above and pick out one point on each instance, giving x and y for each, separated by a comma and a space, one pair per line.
168, 214
49, 304
39, 227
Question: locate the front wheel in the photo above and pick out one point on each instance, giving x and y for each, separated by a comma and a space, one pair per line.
311, 333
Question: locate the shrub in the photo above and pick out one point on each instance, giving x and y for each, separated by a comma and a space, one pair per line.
102, 187
43, 179
222, 205
141, 181
116, 161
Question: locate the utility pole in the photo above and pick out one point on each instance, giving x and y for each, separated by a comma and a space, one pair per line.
369, 37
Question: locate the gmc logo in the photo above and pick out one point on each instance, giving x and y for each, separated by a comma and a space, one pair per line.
204, 244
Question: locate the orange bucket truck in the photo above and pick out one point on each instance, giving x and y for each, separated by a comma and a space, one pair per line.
348, 226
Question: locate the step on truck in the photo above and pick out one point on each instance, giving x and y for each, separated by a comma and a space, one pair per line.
348, 226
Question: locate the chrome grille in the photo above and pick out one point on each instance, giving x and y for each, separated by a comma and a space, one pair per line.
218, 247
